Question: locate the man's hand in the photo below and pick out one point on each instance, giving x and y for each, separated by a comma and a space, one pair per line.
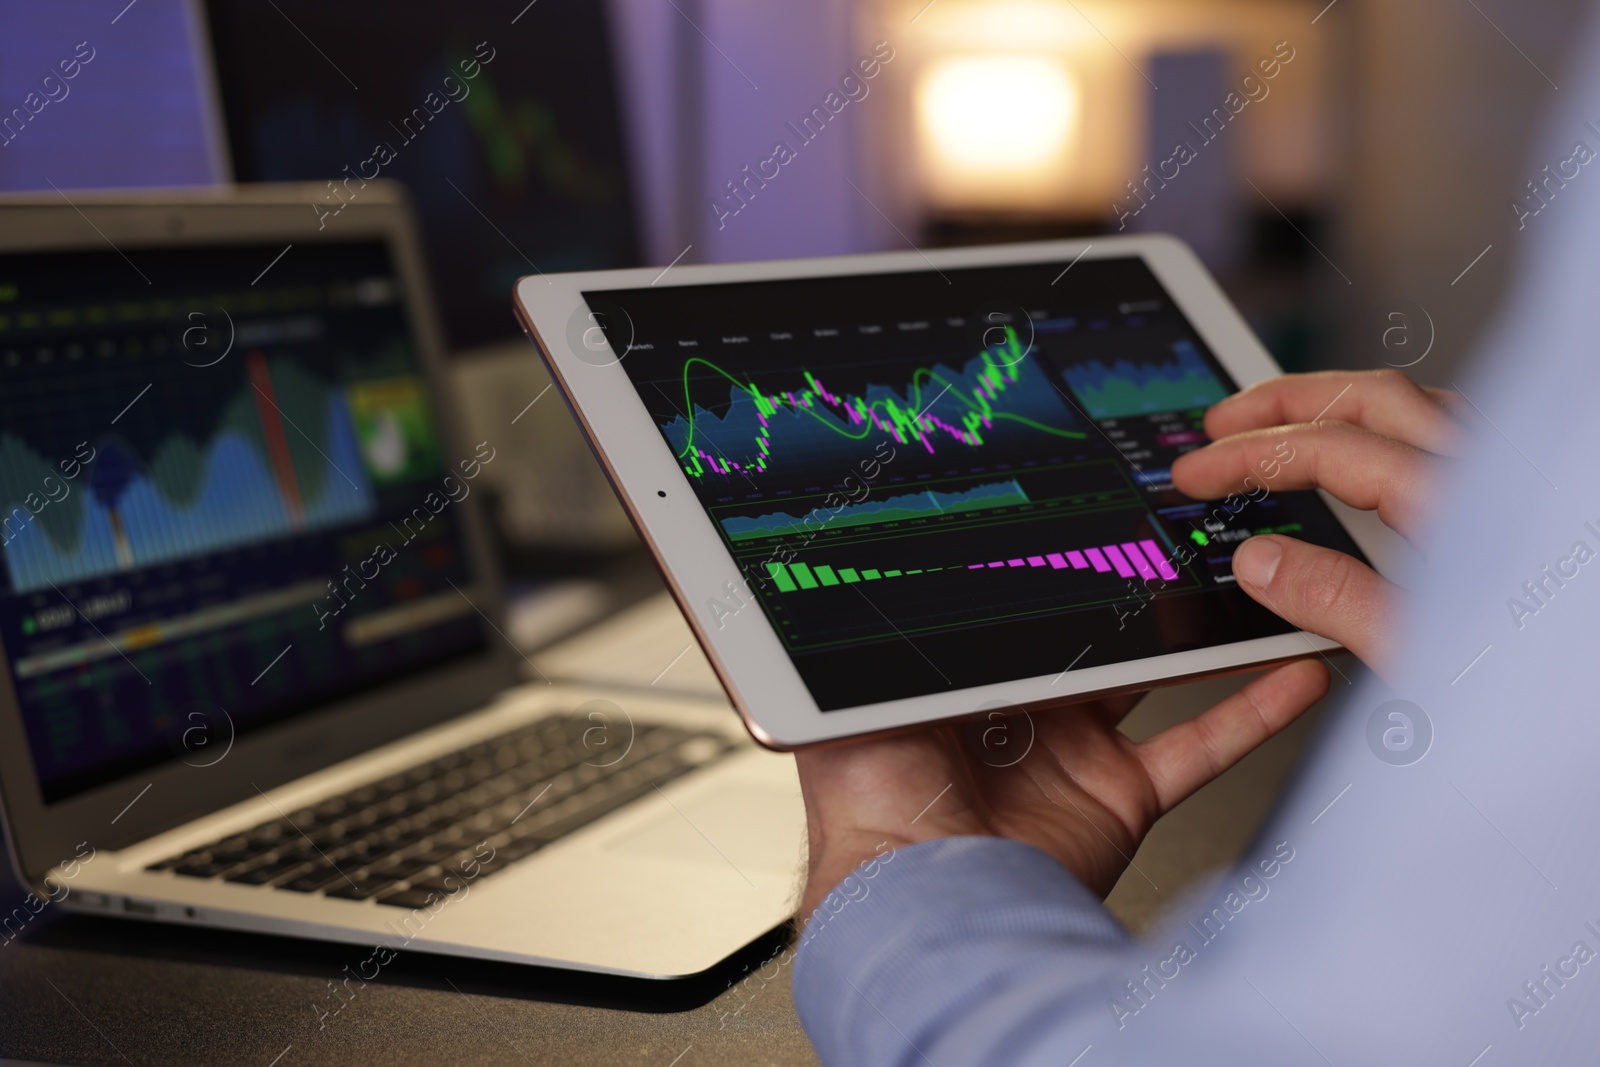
1376, 445
1085, 793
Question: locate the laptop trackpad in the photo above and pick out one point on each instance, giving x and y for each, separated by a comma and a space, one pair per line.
747, 826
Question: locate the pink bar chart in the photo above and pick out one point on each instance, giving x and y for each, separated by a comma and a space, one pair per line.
1130, 559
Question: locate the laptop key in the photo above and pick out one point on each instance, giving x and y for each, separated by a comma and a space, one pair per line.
400, 869
231, 856
439, 851
268, 872
359, 888
411, 898
449, 880
201, 868
318, 877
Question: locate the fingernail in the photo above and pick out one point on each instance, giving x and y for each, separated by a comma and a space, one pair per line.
1183, 460
1256, 561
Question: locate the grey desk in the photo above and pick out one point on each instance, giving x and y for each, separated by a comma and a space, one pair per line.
82, 990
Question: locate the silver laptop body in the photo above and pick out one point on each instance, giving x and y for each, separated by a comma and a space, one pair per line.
223, 704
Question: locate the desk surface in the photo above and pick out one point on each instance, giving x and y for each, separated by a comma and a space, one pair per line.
88, 990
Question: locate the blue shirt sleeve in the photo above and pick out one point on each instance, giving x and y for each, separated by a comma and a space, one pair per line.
959, 951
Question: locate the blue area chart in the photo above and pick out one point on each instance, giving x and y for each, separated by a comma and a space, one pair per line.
1126, 388
917, 505
992, 401
242, 497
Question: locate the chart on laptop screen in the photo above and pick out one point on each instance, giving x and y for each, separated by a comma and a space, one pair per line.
223, 502
940, 480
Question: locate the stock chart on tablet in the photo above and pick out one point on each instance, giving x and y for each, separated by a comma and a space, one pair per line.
937, 480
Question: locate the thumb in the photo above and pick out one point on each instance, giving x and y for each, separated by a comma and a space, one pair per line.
1321, 591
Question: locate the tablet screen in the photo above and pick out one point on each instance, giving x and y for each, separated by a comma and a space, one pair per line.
943, 479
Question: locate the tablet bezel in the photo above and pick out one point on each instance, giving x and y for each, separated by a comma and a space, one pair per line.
761, 679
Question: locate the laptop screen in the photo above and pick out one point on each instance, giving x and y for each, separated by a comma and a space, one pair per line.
224, 498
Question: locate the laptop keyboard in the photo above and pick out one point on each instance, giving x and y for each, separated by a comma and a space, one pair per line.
464, 816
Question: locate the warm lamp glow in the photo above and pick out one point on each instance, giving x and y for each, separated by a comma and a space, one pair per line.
996, 126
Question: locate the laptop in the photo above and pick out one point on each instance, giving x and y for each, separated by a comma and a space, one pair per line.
255, 673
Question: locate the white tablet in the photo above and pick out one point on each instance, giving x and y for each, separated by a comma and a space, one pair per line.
893, 489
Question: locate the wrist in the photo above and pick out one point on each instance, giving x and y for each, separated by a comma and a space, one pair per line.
832, 862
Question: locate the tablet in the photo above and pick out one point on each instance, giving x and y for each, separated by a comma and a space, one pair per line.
899, 488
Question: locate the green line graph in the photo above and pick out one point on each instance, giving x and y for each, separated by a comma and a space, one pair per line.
937, 404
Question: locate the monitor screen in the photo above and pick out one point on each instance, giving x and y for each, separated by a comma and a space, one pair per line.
105, 94
223, 502
936, 481
507, 134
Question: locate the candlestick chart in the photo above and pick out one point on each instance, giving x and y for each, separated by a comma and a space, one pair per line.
731, 425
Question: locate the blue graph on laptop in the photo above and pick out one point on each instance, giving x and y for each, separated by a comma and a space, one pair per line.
254, 481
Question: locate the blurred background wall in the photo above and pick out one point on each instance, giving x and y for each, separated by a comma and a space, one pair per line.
1383, 161
1350, 173
1444, 106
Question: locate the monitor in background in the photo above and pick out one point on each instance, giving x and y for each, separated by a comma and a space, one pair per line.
185, 531
106, 94
507, 133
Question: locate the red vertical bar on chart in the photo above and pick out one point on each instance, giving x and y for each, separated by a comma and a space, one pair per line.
1136, 558
1114, 554
1096, 558
277, 444
1164, 565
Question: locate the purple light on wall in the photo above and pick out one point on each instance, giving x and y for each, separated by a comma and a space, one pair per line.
138, 113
